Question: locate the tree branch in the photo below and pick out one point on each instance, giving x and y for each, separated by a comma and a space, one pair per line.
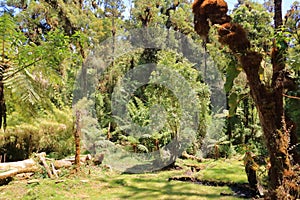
291, 97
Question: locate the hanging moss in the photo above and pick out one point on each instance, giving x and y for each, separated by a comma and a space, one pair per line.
196, 6
201, 25
214, 10
219, 18
213, 7
234, 36
200, 20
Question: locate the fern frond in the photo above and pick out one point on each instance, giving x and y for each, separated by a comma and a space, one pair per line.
23, 85
142, 148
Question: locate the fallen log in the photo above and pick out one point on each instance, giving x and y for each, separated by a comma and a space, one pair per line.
24, 164
13, 172
62, 163
68, 162
11, 169
83, 158
41, 157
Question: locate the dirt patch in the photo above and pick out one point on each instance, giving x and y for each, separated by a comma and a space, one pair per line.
242, 190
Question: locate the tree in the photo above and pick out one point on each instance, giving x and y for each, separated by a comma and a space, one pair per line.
268, 98
242, 126
291, 22
36, 70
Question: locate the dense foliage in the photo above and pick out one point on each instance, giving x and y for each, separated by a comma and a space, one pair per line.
50, 65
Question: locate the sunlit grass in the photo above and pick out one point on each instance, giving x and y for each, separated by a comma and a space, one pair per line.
104, 184
231, 170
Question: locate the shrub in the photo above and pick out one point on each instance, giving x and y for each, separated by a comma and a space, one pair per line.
51, 133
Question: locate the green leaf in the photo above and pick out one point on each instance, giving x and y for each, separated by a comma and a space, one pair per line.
232, 72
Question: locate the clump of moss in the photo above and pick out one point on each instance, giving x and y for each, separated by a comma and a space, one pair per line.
196, 6
213, 10
214, 7
234, 36
201, 25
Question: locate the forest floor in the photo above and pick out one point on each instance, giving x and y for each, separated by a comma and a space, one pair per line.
220, 179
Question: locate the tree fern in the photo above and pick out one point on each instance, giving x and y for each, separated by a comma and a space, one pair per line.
7, 32
22, 85
32, 71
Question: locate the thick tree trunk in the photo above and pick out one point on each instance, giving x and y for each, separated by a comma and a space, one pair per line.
268, 99
276, 136
269, 102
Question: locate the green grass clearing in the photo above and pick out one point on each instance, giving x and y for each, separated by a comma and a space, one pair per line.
102, 184
223, 170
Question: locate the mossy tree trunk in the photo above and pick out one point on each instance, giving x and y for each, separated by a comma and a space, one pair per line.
269, 102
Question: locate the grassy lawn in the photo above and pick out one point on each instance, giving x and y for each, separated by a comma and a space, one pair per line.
223, 170
104, 184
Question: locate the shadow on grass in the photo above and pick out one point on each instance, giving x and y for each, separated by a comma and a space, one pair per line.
241, 190
162, 189
156, 193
